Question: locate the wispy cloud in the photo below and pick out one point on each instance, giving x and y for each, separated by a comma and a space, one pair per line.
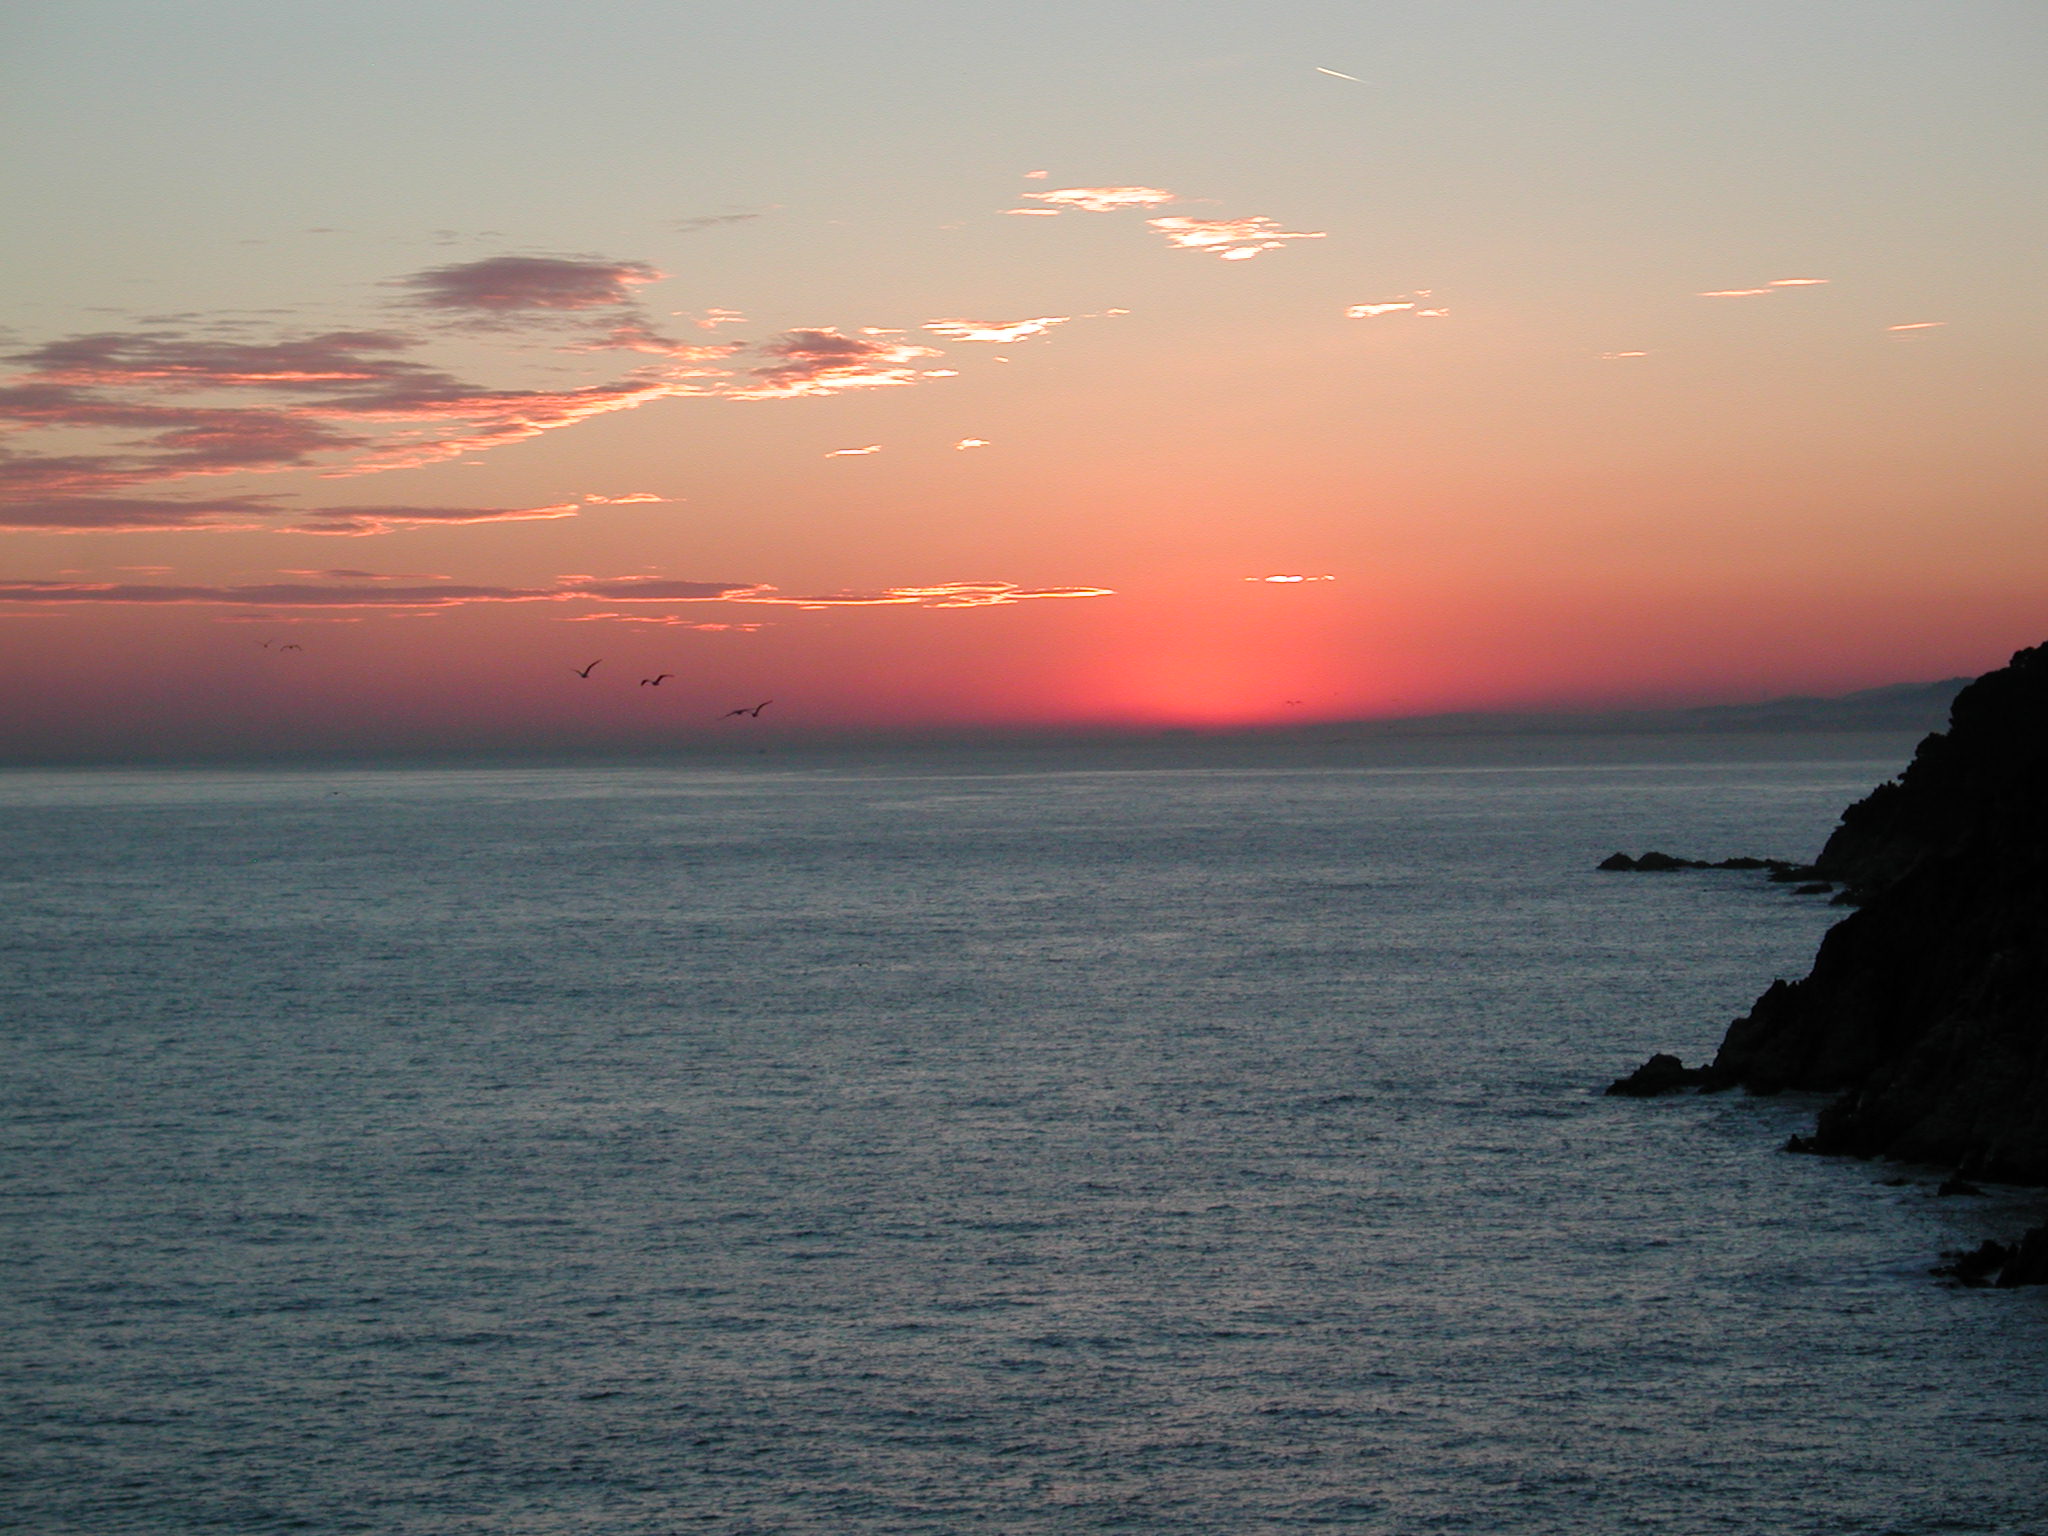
448, 594
1611, 357
498, 284
971, 442
1918, 325
711, 221
661, 620
994, 330
134, 514
1290, 580
629, 499
954, 594
366, 520
282, 594
141, 514
826, 362
854, 453
1409, 303
1771, 287
1032, 213
1103, 199
1230, 239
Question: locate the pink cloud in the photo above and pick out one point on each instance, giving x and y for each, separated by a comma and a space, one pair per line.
1103, 199
1373, 311
357, 396
854, 453
1230, 239
177, 400
971, 442
1918, 325
629, 499
498, 284
1799, 282
1032, 213
1736, 293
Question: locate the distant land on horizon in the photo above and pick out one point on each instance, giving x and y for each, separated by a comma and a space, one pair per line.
1893, 707
1868, 721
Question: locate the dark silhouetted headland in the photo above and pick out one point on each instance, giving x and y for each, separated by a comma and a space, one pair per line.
1927, 1008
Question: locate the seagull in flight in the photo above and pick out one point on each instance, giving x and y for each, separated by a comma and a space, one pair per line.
752, 714
586, 671
651, 682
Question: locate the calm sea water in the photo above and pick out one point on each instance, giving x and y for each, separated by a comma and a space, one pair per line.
872, 1150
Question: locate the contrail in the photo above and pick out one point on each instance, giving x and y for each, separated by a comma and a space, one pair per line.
1341, 75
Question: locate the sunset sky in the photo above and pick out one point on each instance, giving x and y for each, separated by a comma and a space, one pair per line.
372, 368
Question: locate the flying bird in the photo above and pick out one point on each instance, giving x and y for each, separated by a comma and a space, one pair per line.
586, 671
653, 682
752, 714
291, 647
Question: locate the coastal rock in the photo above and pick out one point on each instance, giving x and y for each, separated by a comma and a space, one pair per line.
1662, 1073
1927, 1007
1926, 1010
1655, 862
2005, 1265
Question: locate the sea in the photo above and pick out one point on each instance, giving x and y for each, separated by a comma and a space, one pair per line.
976, 1142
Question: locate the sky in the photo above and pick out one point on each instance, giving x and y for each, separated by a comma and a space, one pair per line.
370, 370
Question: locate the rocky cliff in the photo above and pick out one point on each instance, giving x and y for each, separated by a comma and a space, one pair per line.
1927, 1007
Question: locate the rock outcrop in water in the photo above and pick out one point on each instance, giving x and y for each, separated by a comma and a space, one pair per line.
1927, 1008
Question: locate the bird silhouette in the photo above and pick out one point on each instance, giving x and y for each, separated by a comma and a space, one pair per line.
586, 671
291, 647
752, 714
655, 682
